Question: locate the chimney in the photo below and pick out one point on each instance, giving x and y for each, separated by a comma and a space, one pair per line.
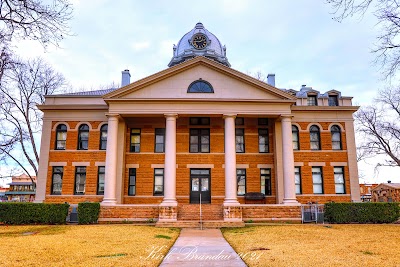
389, 182
126, 78
271, 79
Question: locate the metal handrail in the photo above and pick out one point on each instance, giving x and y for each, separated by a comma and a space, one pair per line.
201, 215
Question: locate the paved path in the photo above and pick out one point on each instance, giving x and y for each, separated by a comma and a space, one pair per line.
206, 247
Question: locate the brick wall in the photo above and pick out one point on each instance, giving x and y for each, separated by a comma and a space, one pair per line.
259, 213
147, 157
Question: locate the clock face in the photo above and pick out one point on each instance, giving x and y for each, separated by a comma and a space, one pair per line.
199, 41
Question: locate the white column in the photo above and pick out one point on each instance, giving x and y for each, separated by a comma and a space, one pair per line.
170, 161
111, 161
288, 162
43, 162
230, 162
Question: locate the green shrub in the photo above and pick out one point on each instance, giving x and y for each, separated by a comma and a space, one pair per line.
88, 212
362, 212
33, 213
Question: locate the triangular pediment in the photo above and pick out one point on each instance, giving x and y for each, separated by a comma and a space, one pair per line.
173, 83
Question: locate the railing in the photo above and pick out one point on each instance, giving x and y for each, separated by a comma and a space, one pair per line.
312, 213
201, 215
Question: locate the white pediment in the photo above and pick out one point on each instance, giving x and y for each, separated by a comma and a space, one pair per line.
226, 86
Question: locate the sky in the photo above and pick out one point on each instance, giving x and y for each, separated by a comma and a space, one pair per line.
297, 40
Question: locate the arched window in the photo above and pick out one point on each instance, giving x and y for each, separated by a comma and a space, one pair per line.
315, 139
295, 137
103, 137
61, 137
83, 137
200, 86
336, 138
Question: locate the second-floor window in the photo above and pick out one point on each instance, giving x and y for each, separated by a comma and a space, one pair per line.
315, 139
159, 146
295, 137
263, 141
135, 140
199, 140
239, 132
83, 137
61, 137
103, 137
336, 138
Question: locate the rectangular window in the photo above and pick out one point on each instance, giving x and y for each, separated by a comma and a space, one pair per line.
158, 182
57, 180
241, 181
135, 140
239, 121
100, 180
266, 181
199, 140
80, 180
132, 182
263, 141
318, 186
333, 100
239, 140
297, 179
199, 121
339, 180
159, 146
312, 100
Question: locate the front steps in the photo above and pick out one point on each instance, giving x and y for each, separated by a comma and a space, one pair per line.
209, 212
197, 224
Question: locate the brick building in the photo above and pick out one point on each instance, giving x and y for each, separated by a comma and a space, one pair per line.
197, 128
365, 192
22, 189
386, 192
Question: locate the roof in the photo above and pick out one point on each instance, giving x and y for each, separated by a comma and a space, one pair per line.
89, 93
392, 185
21, 183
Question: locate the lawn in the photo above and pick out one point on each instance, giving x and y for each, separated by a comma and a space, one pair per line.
317, 245
91, 245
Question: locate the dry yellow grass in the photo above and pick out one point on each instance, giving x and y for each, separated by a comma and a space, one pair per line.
317, 245
91, 245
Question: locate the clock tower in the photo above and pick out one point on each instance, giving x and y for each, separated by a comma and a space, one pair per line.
199, 42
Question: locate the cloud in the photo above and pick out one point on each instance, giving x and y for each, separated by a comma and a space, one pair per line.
140, 46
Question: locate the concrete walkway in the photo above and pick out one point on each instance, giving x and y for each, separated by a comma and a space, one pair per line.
206, 247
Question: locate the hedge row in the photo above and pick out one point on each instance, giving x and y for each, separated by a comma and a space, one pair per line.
362, 212
33, 213
88, 212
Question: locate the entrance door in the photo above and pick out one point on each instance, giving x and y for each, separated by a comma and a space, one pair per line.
200, 182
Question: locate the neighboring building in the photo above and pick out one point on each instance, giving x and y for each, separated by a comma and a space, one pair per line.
22, 189
386, 192
3, 196
198, 127
365, 192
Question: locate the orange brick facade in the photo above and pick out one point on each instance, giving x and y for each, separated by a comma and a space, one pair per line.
146, 158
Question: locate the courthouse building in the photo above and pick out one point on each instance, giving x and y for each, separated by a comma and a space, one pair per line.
198, 130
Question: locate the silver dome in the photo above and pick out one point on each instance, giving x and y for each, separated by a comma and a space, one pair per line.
185, 50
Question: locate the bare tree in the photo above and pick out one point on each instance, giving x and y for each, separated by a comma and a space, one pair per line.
379, 127
43, 21
24, 86
257, 75
387, 12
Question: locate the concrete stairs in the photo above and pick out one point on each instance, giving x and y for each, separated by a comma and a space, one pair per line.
189, 217
191, 212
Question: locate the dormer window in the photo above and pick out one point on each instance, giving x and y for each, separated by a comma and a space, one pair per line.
333, 100
312, 100
200, 86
